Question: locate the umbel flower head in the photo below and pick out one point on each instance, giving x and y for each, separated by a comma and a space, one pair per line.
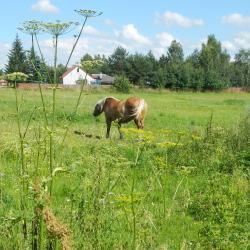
59, 28
88, 13
32, 27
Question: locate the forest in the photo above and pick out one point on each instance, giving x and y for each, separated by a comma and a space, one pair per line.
210, 68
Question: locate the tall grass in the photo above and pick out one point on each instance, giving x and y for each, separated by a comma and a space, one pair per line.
174, 189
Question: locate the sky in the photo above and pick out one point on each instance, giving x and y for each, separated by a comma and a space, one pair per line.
136, 25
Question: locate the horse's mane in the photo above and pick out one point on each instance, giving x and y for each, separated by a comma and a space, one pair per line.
102, 101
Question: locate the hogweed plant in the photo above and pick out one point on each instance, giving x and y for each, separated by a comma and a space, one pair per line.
58, 29
34, 28
42, 211
86, 14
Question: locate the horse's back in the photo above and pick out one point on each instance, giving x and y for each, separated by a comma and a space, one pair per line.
133, 102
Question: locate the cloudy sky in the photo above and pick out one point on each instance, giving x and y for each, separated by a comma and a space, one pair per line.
134, 24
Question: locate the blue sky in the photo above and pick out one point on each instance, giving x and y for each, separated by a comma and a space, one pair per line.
134, 24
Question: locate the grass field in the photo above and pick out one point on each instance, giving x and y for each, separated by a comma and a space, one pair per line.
184, 186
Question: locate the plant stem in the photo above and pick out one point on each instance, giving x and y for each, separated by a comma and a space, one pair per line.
23, 169
77, 39
55, 60
51, 146
43, 60
132, 199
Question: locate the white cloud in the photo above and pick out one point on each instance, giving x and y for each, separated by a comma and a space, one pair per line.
4, 49
228, 46
131, 33
237, 19
44, 6
90, 30
198, 45
164, 39
89, 44
242, 40
174, 18
109, 22
158, 52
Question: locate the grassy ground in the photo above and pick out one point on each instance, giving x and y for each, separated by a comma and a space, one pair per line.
184, 186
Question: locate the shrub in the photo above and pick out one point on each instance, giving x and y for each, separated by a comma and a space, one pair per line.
122, 84
16, 77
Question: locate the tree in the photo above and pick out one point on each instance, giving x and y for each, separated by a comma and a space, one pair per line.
137, 70
215, 64
17, 60
173, 65
36, 69
60, 71
86, 57
241, 69
194, 71
117, 62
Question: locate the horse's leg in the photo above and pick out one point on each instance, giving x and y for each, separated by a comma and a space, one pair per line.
142, 122
119, 129
108, 128
137, 123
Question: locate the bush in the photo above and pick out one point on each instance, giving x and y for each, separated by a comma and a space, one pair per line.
122, 84
16, 77
2, 77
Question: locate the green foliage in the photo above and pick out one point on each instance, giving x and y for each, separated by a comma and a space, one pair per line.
92, 66
215, 64
117, 62
122, 84
17, 60
241, 69
60, 71
182, 183
221, 208
36, 69
16, 77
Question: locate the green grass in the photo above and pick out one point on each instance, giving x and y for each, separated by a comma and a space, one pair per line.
182, 196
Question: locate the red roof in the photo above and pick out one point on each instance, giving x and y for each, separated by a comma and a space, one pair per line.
68, 71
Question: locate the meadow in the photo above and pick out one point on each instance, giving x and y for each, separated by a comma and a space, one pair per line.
182, 183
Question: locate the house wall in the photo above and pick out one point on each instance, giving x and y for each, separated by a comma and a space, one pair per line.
74, 76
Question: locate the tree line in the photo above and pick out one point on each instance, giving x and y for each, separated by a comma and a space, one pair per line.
210, 68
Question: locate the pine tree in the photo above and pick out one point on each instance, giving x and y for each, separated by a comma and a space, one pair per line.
36, 69
17, 60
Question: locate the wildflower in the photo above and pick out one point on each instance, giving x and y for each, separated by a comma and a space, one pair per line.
160, 161
168, 144
166, 131
196, 138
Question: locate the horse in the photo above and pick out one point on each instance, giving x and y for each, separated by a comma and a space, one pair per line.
133, 108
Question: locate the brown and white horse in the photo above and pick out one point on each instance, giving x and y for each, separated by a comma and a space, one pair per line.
133, 108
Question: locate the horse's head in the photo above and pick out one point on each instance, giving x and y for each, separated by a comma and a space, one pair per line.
99, 107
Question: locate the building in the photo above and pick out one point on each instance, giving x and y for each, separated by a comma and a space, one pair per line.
74, 75
103, 79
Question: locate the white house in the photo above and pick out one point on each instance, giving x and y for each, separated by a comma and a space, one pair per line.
74, 74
